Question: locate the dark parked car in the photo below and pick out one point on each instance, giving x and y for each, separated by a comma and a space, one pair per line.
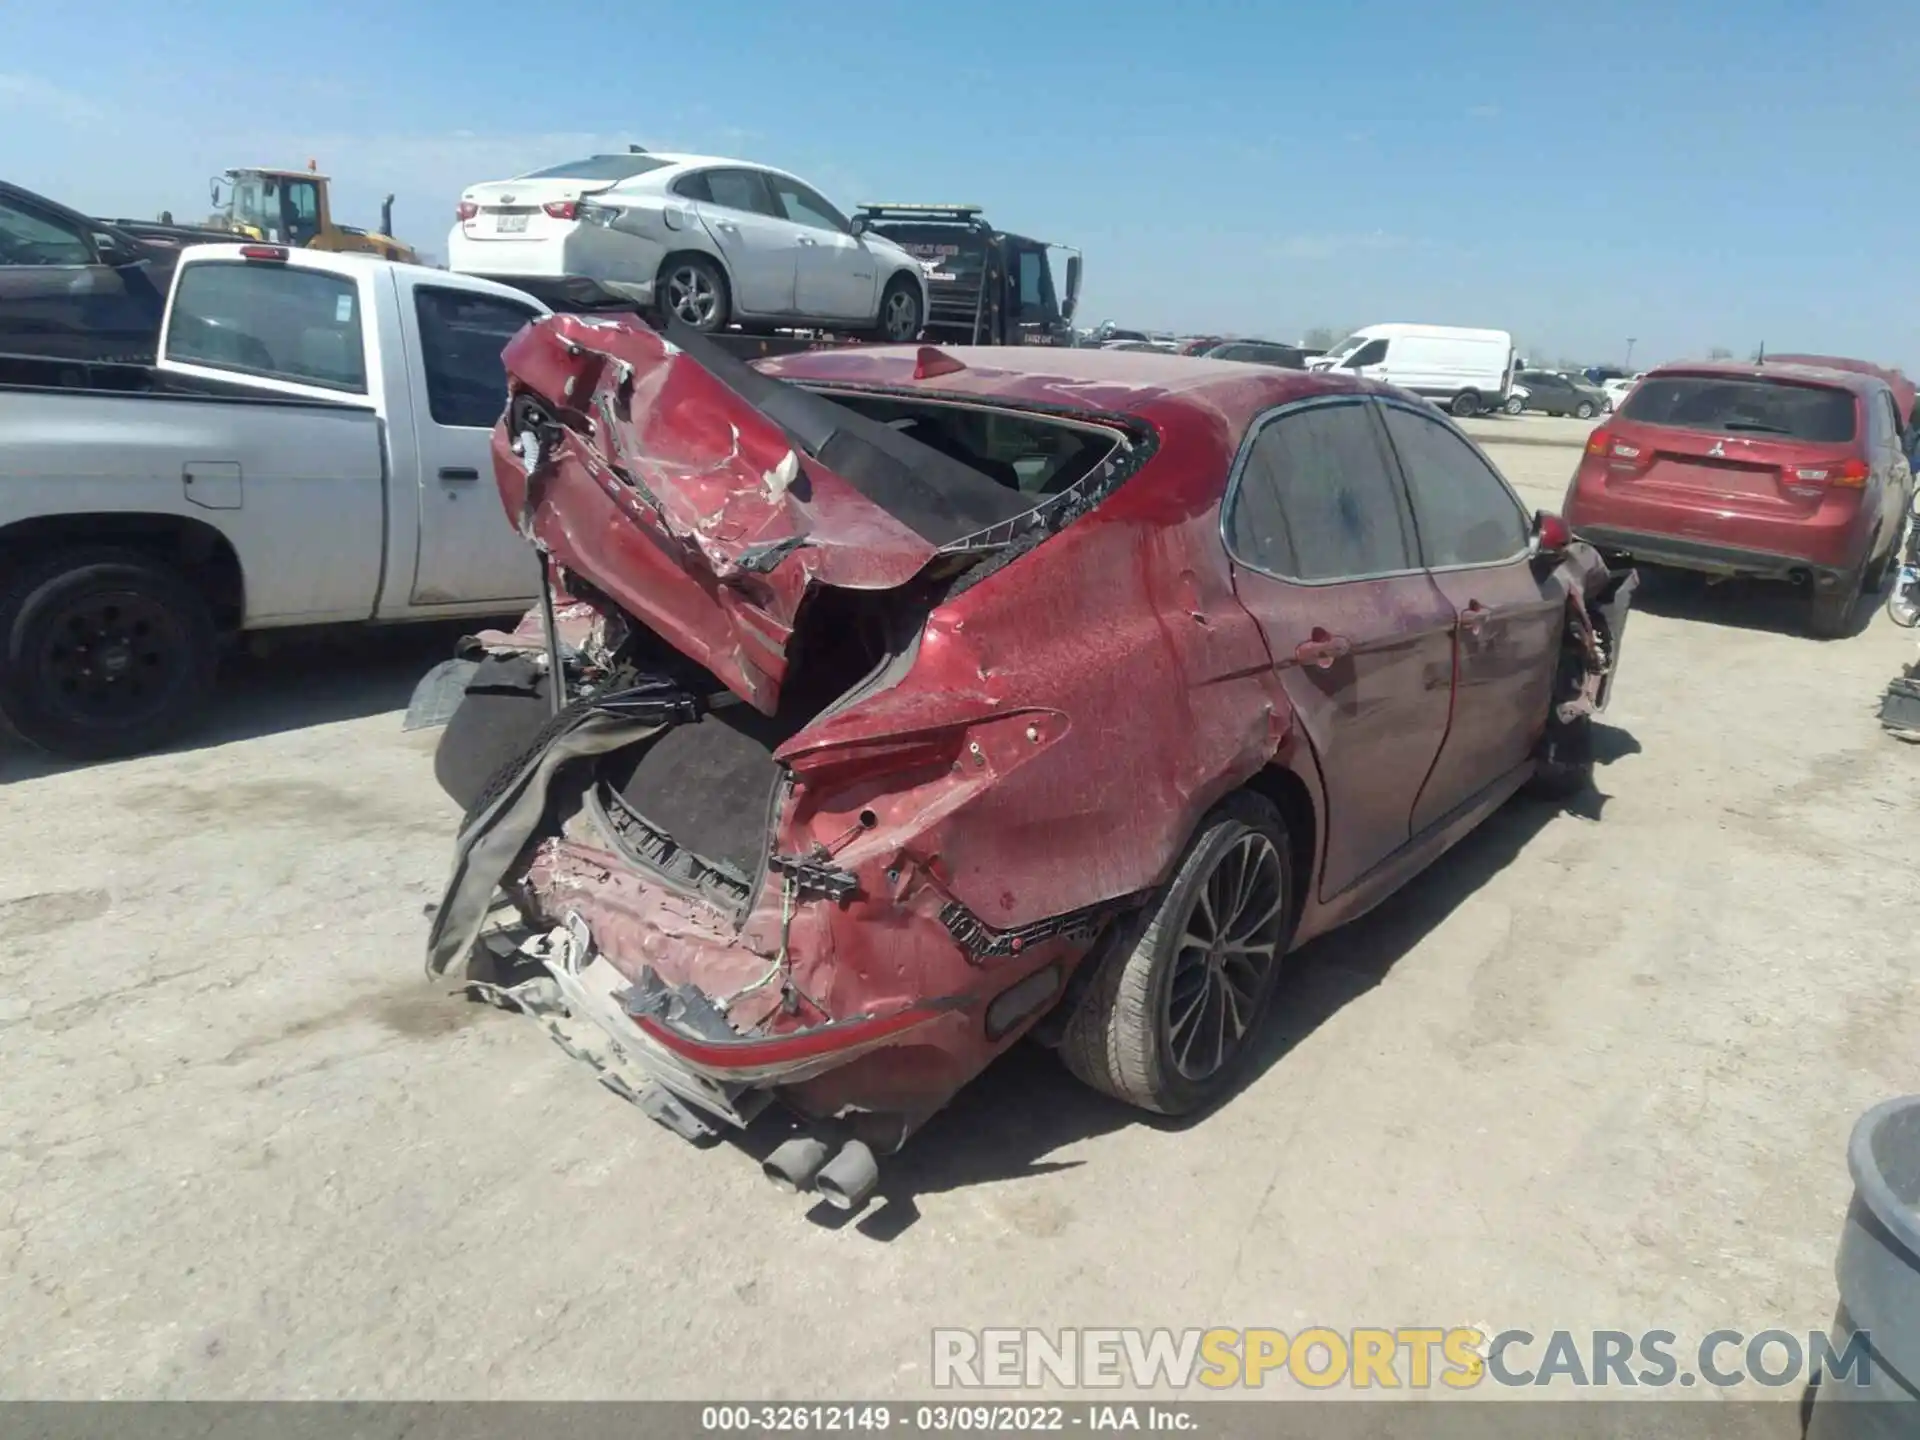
1554, 395
74, 287
921, 707
1258, 352
1785, 472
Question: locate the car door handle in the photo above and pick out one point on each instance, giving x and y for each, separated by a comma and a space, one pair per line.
458, 472
1321, 649
808, 240
1474, 616
726, 224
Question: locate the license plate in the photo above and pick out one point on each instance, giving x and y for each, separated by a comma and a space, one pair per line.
510, 225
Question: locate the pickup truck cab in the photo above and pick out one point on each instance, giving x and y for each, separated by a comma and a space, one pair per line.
311, 447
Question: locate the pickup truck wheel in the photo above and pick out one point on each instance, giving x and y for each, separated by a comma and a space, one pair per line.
695, 293
1176, 1006
103, 653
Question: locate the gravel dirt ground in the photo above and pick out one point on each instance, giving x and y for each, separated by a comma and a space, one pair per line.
1594, 1069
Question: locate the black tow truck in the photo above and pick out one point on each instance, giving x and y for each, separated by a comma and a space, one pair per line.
985, 286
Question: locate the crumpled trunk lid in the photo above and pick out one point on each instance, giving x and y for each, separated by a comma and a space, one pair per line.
707, 499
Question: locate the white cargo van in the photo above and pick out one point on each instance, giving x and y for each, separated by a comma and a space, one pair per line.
1467, 371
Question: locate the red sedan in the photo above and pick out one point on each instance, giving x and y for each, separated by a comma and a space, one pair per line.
924, 700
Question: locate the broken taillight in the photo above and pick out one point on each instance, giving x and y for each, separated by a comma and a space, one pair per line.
561, 209
881, 760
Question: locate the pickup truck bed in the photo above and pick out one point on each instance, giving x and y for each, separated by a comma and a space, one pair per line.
312, 447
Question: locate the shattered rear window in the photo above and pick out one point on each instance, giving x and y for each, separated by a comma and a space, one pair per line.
1820, 414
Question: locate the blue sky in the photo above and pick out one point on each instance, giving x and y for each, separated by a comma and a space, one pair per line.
1688, 174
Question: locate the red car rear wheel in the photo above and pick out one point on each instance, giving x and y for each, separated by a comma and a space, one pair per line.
1170, 1019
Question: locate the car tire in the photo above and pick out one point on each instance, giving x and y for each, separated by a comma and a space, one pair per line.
1153, 1027
1830, 614
1466, 404
899, 320
1583, 411
693, 290
103, 652
1515, 405
1875, 580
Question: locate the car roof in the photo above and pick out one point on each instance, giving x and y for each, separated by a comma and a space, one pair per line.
33, 197
1395, 329
1120, 381
674, 161
1853, 380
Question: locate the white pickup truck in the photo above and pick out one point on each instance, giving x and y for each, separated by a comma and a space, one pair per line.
311, 448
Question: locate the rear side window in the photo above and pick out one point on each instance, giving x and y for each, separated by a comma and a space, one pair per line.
1317, 501
1818, 413
600, 167
1463, 511
738, 190
275, 321
461, 337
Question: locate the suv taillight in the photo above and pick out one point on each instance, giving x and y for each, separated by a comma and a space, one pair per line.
466, 210
1608, 445
1850, 474
561, 209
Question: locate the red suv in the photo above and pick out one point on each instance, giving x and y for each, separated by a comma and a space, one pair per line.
1791, 472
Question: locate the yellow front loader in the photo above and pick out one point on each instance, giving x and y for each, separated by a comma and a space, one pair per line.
292, 207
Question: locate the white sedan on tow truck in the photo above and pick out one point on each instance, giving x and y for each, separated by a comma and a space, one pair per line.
710, 241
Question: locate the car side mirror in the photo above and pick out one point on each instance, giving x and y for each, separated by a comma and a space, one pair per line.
857, 226
1072, 302
113, 251
1550, 533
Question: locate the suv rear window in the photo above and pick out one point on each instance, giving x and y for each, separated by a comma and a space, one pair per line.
279, 321
1816, 413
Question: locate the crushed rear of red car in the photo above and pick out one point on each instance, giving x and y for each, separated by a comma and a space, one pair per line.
1778, 471
915, 704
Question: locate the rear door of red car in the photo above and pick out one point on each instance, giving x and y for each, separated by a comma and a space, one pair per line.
1325, 560
1476, 540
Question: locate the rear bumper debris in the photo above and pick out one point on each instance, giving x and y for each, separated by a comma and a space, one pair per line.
1900, 706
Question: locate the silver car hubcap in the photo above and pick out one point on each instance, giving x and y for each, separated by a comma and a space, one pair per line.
901, 318
1227, 949
691, 296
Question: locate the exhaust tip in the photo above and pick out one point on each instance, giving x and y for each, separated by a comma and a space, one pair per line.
847, 1180
795, 1163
